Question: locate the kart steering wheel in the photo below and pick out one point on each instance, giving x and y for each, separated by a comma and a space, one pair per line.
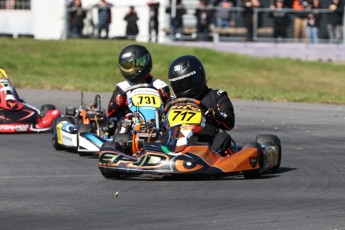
185, 99
142, 85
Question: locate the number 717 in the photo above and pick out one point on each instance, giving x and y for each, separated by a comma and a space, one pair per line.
184, 115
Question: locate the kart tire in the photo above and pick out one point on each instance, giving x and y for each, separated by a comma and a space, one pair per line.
85, 154
268, 139
45, 108
121, 137
256, 173
85, 128
55, 142
110, 174
111, 145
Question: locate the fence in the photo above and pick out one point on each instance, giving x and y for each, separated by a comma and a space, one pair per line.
261, 27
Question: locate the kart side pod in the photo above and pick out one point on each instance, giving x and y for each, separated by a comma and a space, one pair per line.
246, 159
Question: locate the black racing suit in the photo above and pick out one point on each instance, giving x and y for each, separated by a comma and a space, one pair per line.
225, 120
116, 113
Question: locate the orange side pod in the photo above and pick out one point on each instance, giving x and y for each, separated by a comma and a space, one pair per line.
240, 161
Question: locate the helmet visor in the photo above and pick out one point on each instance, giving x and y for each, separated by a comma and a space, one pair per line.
132, 66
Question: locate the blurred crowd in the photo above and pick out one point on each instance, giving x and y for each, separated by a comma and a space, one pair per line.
305, 17
300, 20
15, 4
77, 14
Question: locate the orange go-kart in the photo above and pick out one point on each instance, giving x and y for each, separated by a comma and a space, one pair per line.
181, 154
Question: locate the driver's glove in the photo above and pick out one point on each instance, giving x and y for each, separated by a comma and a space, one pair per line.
120, 100
211, 114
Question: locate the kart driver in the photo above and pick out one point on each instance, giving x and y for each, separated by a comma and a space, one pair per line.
9, 98
14, 111
188, 79
135, 64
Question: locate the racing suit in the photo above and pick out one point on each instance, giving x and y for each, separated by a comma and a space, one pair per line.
223, 118
117, 113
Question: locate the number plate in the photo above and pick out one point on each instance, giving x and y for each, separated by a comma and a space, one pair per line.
147, 100
184, 117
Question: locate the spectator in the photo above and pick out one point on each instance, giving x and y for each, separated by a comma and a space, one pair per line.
248, 16
225, 17
14, 4
104, 17
204, 17
313, 21
176, 18
132, 29
335, 21
7, 4
153, 21
300, 20
281, 20
76, 18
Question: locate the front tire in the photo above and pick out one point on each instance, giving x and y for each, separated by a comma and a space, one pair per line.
109, 174
55, 142
273, 140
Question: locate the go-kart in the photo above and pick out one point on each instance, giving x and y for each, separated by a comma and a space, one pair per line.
144, 121
83, 129
181, 154
92, 130
16, 116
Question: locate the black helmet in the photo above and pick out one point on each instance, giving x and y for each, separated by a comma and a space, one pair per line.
135, 63
187, 77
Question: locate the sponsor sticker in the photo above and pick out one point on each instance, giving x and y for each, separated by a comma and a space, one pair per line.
182, 77
14, 128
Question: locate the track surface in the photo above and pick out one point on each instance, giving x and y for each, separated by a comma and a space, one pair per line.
41, 188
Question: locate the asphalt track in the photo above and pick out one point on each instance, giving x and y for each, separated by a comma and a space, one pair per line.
41, 188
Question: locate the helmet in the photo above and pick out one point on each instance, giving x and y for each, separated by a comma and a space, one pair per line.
8, 96
135, 63
3, 73
187, 77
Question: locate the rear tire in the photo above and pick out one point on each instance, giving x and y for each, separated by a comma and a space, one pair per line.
268, 139
111, 145
255, 173
55, 142
85, 128
85, 154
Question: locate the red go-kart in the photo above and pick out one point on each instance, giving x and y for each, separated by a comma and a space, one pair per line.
18, 117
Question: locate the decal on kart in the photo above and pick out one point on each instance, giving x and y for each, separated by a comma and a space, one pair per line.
29, 114
145, 161
143, 97
183, 163
59, 133
15, 128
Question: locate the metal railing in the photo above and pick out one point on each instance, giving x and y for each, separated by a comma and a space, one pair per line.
15, 4
262, 26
